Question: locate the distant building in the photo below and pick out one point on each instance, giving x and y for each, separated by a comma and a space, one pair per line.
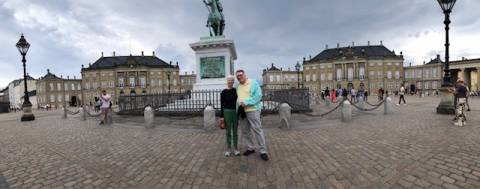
4, 95
371, 66
4, 101
129, 75
51, 88
16, 91
187, 81
424, 78
277, 78
429, 76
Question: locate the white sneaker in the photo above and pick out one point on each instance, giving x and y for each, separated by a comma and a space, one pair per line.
227, 153
236, 153
398, 104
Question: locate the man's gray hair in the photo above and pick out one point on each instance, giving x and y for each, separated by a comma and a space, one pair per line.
230, 77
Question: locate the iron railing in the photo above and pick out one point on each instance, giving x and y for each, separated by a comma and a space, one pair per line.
194, 102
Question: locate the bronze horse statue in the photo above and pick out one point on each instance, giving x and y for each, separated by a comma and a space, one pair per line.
216, 21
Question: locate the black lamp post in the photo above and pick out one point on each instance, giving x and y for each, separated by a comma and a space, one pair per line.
23, 46
446, 105
297, 67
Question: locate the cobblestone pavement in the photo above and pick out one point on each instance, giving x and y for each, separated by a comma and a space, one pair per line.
412, 148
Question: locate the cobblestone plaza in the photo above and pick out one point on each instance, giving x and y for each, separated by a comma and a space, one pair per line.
412, 148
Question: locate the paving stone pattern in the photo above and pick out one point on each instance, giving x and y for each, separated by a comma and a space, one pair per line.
412, 148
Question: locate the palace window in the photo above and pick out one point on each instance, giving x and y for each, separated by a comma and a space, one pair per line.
371, 74
65, 86
350, 74
143, 81
339, 74
121, 82
132, 81
389, 74
59, 87
361, 73
51, 87
397, 74
322, 77
314, 77
278, 78
270, 79
380, 74
330, 76
72, 86
52, 98
59, 98
307, 78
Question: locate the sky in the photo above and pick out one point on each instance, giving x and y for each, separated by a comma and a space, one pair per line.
64, 34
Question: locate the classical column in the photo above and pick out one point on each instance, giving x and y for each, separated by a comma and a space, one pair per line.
478, 78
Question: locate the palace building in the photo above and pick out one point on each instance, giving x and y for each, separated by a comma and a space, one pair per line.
371, 66
277, 78
129, 75
51, 90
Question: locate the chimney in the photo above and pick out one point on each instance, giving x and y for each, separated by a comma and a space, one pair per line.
142, 53
424, 62
153, 53
74, 77
401, 53
368, 43
102, 54
353, 44
68, 77
410, 64
193, 72
304, 59
186, 73
170, 62
381, 42
89, 65
177, 64
463, 58
82, 66
48, 70
310, 57
113, 53
326, 46
338, 45
438, 57
61, 76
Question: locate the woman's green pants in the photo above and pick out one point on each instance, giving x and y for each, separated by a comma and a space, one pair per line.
231, 126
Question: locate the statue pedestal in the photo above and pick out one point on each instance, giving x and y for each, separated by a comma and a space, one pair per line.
215, 58
446, 105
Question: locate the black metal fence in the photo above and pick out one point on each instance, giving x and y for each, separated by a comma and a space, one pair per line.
194, 102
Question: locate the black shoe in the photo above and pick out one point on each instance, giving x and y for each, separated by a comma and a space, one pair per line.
101, 123
468, 110
264, 157
248, 152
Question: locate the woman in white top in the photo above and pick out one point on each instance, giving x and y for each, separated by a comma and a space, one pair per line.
105, 106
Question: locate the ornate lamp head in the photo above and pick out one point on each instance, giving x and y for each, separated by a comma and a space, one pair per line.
298, 66
23, 46
447, 5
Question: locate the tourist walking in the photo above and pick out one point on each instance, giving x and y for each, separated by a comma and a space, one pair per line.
228, 115
105, 106
460, 93
353, 95
333, 95
249, 98
327, 94
401, 92
380, 94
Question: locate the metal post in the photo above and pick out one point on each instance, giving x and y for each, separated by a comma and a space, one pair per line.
447, 80
26, 99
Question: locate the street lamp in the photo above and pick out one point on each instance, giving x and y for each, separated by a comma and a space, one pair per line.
446, 105
297, 67
23, 46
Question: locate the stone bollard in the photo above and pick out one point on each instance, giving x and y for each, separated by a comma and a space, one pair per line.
285, 114
387, 106
346, 111
83, 114
209, 121
361, 102
149, 116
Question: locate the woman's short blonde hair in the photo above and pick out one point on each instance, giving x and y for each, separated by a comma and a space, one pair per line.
230, 77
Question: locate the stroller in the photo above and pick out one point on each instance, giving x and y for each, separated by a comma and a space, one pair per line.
460, 118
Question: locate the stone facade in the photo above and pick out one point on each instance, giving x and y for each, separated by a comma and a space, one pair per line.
187, 81
277, 78
427, 78
129, 75
53, 91
373, 67
16, 91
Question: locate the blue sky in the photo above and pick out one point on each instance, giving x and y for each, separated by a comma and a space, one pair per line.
65, 34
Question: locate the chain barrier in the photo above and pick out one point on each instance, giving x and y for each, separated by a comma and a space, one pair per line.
381, 102
73, 113
92, 115
332, 110
368, 109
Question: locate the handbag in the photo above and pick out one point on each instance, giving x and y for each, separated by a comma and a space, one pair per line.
221, 124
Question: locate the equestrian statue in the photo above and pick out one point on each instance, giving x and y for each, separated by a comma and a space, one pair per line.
216, 21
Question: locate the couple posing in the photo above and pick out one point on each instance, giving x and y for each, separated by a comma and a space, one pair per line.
243, 105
